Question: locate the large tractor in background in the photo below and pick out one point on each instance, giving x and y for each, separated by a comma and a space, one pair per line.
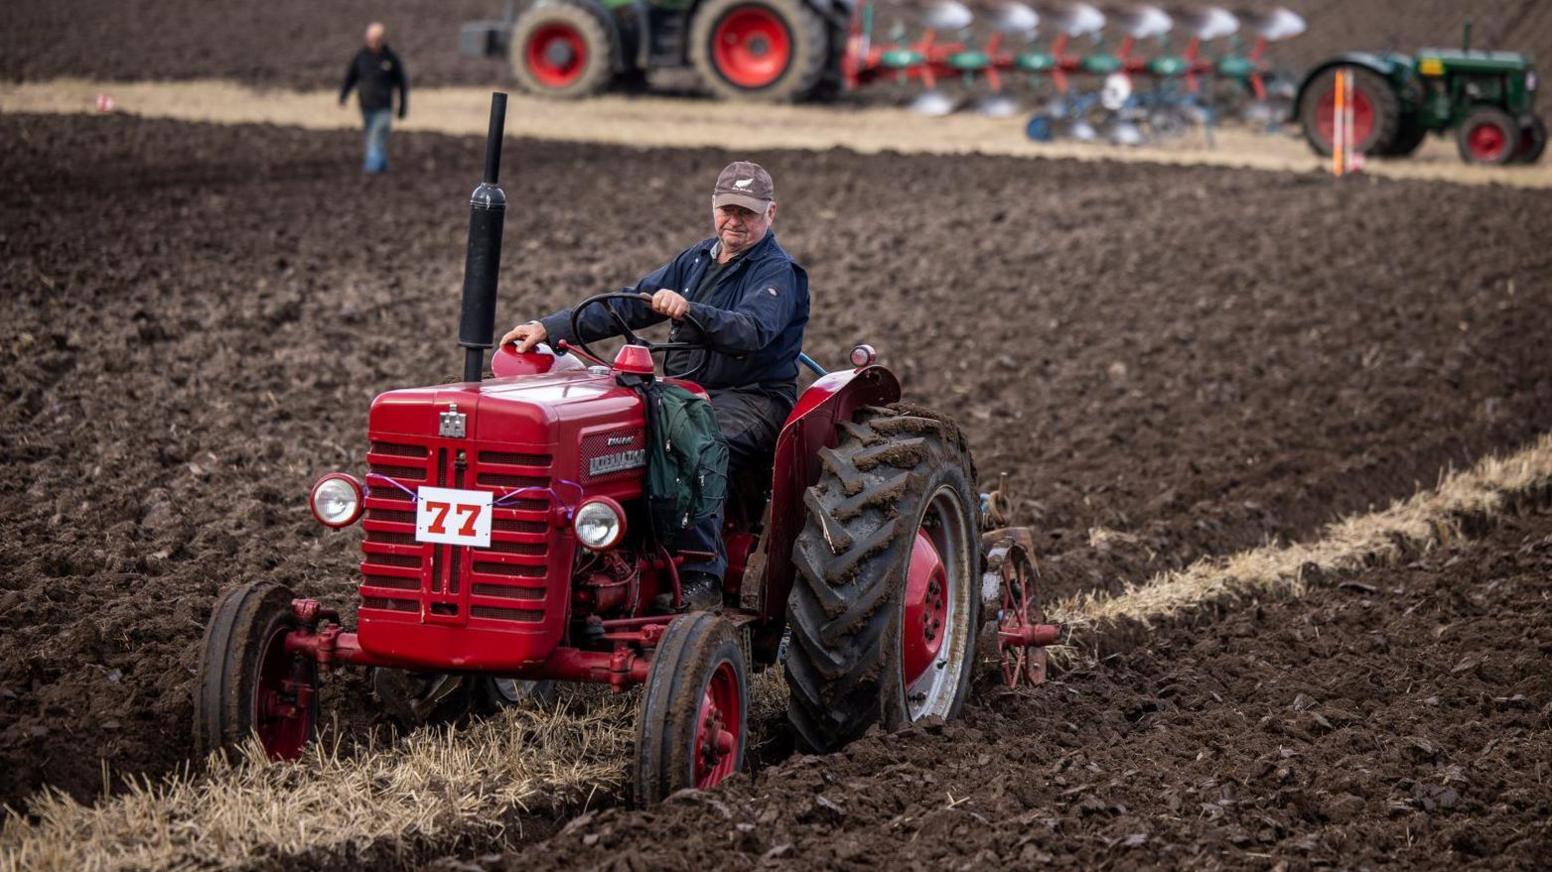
1488, 98
770, 50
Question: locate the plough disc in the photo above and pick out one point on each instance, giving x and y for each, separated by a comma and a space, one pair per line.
1022, 630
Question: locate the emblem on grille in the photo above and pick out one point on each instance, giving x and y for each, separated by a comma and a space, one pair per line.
453, 423
616, 462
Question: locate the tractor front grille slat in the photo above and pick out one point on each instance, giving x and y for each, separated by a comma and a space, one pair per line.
391, 605
506, 592
493, 479
517, 570
502, 458
530, 616
390, 581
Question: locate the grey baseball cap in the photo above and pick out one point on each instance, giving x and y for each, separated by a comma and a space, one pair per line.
746, 184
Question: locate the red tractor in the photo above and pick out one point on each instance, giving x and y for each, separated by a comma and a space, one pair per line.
507, 541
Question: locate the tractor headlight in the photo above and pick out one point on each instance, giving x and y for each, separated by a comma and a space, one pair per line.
336, 500
599, 522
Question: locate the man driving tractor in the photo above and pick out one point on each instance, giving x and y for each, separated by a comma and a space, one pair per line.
752, 299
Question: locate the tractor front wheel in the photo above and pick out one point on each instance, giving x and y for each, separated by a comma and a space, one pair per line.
247, 682
771, 50
693, 721
887, 604
561, 50
1488, 136
1376, 111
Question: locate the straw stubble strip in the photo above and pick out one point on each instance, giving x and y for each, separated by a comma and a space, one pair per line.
1425, 520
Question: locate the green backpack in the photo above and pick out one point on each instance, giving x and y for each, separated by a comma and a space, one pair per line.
687, 460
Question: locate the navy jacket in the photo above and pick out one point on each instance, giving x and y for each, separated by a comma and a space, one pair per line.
377, 75
754, 315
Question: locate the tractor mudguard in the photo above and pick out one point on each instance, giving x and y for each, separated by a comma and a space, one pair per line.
1389, 66
811, 426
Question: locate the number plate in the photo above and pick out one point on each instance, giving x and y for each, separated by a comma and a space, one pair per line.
453, 517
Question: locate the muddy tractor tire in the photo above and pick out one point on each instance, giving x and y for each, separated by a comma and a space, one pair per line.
1376, 111
692, 726
247, 683
562, 50
1488, 136
886, 607
767, 50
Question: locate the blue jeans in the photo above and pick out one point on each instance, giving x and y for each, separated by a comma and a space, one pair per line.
377, 122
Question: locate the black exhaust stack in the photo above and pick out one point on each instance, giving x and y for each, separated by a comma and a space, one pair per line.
487, 214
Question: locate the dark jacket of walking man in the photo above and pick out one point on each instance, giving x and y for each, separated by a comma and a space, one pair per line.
375, 72
752, 298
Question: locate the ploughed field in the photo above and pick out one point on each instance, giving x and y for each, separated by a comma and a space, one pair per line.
1167, 363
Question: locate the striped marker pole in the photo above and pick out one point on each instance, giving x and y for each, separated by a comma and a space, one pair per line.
1339, 124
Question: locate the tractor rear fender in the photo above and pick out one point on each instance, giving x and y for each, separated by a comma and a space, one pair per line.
811, 426
1389, 66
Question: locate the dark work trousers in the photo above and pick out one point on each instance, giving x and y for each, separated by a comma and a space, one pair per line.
750, 421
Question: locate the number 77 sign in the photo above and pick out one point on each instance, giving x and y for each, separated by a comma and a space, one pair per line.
453, 517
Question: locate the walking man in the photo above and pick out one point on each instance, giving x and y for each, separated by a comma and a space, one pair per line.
752, 298
375, 72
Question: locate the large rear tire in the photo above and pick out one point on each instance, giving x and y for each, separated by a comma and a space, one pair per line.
887, 604
1376, 111
767, 50
247, 683
561, 50
693, 722
1488, 136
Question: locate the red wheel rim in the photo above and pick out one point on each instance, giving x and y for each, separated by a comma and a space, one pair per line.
283, 699
717, 728
1486, 142
1363, 116
556, 54
926, 608
751, 46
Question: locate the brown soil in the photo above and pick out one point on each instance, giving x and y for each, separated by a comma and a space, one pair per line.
1195, 360
302, 44
1398, 717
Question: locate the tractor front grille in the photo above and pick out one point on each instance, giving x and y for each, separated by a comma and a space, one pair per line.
435, 583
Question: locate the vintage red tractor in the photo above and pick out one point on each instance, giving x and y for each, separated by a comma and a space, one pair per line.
507, 541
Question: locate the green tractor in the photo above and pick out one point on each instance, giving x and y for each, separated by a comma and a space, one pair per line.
1487, 97
769, 50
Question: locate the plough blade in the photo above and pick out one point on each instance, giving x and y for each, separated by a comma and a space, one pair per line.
1272, 25
934, 104
1074, 19
1143, 21
997, 106
1207, 22
1010, 16
946, 15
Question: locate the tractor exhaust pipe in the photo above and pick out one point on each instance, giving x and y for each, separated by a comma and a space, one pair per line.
487, 215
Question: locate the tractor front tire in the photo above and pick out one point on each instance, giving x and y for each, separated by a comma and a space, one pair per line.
1370, 90
247, 683
1488, 136
886, 606
1533, 141
693, 722
767, 50
562, 50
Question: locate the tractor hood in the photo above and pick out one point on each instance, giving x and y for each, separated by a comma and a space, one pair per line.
532, 410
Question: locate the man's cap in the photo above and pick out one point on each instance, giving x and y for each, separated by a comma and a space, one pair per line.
746, 184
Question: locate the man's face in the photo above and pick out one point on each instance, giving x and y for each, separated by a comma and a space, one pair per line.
374, 38
739, 228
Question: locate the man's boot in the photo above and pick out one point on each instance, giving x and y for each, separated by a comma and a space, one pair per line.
701, 591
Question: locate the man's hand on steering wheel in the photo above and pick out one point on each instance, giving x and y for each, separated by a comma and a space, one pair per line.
670, 303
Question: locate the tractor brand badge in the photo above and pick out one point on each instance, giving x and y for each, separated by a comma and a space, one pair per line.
453, 423
629, 439
617, 462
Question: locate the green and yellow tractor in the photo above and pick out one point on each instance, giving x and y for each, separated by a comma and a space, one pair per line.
1488, 98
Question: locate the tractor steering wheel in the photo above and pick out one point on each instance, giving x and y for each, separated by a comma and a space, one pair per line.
631, 338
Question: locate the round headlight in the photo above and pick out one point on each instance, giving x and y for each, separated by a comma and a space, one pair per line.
336, 500
599, 523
